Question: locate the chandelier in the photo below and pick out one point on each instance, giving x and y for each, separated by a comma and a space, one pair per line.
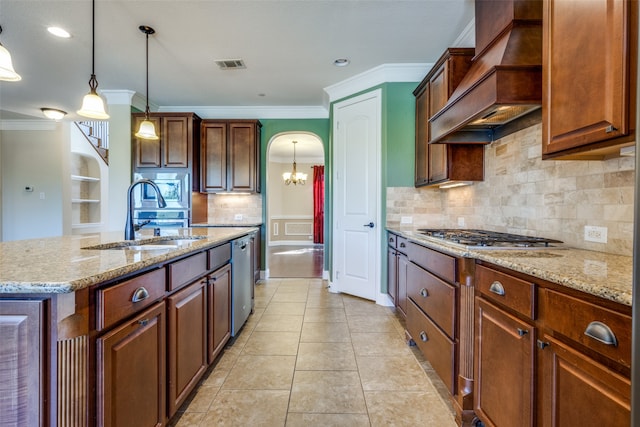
294, 177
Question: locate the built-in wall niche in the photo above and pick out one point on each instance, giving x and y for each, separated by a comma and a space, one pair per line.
85, 191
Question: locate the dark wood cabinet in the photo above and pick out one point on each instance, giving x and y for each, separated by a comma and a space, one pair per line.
230, 156
504, 367
219, 311
392, 274
397, 272
576, 391
439, 163
187, 341
131, 388
24, 356
178, 145
589, 78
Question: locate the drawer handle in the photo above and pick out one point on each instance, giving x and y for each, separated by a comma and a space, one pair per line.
423, 336
424, 292
601, 332
140, 294
402, 245
543, 344
522, 332
391, 240
143, 322
497, 288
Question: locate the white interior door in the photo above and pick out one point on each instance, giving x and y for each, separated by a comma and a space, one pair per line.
356, 195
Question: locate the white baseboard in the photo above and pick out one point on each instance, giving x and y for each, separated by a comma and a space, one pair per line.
292, 243
384, 300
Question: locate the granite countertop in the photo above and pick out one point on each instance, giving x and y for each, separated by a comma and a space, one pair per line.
605, 275
61, 265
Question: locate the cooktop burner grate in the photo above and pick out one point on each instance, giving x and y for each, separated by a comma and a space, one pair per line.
488, 239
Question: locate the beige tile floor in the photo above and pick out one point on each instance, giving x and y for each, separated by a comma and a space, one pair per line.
307, 357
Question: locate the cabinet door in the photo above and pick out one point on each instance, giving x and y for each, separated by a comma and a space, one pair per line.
175, 142
587, 57
187, 340
219, 311
242, 157
422, 137
403, 265
213, 157
392, 275
576, 391
438, 96
131, 372
22, 358
504, 368
147, 152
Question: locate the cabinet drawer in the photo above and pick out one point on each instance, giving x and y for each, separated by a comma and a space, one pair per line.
437, 348
443, 266
219, 256
575, 319
401, 244
187, 270
434, 296
510, 291
124, 299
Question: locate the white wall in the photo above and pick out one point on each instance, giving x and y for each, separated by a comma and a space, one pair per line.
33, 158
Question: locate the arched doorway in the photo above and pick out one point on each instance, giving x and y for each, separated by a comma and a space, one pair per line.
294, 234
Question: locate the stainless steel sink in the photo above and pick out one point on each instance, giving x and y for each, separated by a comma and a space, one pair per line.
147, 245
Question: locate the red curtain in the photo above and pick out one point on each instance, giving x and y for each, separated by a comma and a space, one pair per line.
318, 204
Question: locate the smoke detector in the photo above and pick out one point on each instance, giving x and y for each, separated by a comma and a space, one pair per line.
230, 64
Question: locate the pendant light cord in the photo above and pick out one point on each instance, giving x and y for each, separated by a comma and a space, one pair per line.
93, 82
147, 95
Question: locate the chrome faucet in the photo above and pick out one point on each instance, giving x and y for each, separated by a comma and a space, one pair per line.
130, 229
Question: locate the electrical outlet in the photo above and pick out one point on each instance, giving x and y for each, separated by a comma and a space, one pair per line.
238, 217
460, 221
595, 234
406, 220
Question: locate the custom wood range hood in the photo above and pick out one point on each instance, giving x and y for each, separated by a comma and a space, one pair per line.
502, 91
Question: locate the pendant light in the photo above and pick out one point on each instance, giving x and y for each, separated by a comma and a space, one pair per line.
147, 129
7, 73
294, 177
93, 104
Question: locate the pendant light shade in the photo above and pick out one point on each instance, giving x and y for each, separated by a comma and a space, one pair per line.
147, 129
294, 177
7, 73
93, 104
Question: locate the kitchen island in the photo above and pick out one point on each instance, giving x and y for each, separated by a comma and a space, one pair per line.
100, 331
550, 327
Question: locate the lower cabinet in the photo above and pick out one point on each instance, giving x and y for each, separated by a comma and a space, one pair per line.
219, 311
576, 391
505, 370
131, 372
187, 341
397, 262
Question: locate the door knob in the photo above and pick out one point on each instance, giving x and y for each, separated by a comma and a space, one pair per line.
370, 225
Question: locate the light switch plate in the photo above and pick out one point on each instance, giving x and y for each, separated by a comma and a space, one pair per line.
595, 234
406, 220
238, 217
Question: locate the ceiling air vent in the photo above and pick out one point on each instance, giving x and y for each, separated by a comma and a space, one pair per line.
230, 64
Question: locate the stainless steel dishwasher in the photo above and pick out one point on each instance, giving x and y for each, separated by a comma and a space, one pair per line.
241, 283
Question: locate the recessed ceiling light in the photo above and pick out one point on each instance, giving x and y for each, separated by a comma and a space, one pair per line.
341, 62
59, 32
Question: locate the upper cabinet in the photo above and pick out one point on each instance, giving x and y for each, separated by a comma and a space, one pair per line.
439, 163
230, 156
589, 77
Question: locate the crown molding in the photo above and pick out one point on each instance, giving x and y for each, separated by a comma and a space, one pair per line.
38, 124
467, 37
252, 112
385, 73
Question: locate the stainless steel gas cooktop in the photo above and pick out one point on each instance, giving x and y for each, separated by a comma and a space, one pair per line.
480, 239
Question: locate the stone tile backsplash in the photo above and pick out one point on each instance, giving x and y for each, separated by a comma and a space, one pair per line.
222, 208
523, 194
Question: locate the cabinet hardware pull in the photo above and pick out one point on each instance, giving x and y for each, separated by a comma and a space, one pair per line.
610, 129
423, 336
391, 240
424, 292
602, 333
140, 294
143, 322
497, 288
522, 332
402, 245
542, 344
